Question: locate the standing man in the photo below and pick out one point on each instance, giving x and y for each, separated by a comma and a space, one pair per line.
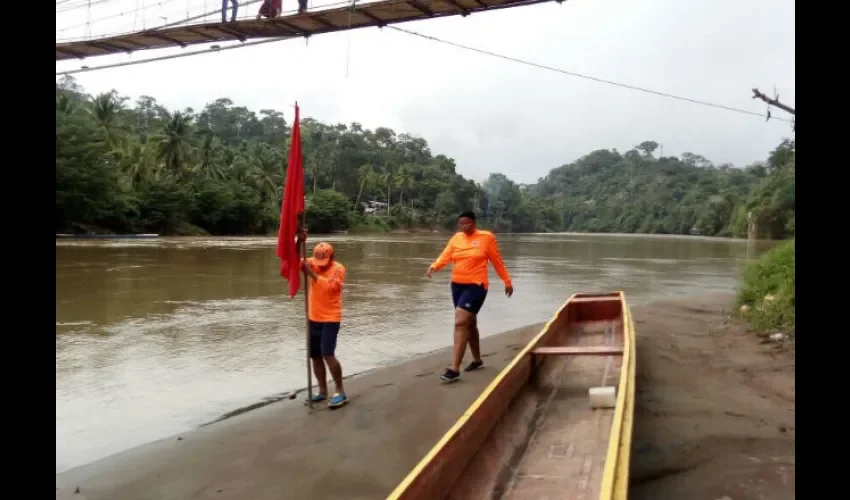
326, 278
469, 250
270, 9
235, 4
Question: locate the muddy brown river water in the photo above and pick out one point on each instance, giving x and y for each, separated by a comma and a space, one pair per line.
157, 336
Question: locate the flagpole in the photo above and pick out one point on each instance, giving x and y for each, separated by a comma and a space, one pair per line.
306, 299
307, 313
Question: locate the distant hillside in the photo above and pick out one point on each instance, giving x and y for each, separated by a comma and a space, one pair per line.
139, 167
635, 192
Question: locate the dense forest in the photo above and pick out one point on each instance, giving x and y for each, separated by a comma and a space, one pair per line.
139, 167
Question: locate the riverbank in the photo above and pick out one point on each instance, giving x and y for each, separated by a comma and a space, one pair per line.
715, 406
715, 414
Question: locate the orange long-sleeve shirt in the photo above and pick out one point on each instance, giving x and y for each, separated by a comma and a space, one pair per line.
326, 293
470, 255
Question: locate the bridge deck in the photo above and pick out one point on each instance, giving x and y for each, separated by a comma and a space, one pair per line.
372, 14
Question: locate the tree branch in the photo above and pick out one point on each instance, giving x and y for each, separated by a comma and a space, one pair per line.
773, 102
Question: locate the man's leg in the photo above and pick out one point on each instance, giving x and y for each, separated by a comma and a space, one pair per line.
235, 9
474, 345
330, 331
451, 374
463, 321
475, 297
316, 359
474, 340
336, 372
321, 376
224, 10
329, 335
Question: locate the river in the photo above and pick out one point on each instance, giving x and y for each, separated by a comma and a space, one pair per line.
154, 337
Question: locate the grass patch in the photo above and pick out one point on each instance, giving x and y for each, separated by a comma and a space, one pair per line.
766, 297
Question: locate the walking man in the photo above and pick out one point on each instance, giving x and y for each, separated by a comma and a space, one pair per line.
470, 249
326, 277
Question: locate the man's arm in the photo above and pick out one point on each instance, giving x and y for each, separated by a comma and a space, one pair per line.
445, 256
332, 283
300, 242
496, 258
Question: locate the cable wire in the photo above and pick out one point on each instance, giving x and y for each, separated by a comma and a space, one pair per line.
134, 12
579, 75
81, 5
172, 56
456, 45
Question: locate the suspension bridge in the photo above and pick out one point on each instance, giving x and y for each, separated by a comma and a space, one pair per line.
289, 25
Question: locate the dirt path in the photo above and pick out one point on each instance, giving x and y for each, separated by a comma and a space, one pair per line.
715, 409
715, 417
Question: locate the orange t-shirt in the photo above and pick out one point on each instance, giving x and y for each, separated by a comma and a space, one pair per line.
326, 293
470, 255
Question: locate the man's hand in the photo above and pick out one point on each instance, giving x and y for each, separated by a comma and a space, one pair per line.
509, 290
309, 270
429, 272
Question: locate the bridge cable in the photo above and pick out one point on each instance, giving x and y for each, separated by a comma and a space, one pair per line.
179, 22
453, 44
579, 75
134, 12
86, 69
81, 5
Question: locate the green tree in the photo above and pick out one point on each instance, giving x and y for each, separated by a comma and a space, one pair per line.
124, 166
327, 211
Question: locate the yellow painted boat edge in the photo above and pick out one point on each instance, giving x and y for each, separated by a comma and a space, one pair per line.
405, 483
615, 476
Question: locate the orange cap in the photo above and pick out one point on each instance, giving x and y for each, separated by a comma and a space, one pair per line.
322, 254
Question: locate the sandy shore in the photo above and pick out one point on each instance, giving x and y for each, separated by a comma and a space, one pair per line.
715, 417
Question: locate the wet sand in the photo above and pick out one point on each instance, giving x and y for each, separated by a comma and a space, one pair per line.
715, 416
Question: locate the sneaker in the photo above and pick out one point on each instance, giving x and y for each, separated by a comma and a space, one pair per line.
338, 399
450, 375
315, 399
473, 366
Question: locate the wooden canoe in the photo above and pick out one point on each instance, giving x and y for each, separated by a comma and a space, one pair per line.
533, 432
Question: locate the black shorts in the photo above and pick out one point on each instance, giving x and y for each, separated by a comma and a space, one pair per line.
323, 338
468, 297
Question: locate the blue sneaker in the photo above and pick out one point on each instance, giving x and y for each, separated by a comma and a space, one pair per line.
318, 398
338, 399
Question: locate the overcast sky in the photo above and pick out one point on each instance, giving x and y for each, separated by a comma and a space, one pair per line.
493, 115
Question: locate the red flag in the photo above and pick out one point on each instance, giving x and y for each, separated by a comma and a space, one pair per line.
290, 209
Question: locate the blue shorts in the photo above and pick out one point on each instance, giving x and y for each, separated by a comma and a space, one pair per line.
323, 338
468, 297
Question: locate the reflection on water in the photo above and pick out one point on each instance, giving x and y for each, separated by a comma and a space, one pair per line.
158, 336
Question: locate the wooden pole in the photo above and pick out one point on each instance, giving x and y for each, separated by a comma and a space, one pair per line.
307, 312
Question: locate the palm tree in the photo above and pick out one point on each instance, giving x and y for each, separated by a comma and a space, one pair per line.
136, 160
387, 179
174, 143
365, 176
105, 110
331, 167
262, 176
208, 164
403, 182
65, 104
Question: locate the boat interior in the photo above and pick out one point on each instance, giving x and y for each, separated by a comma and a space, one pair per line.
544, 427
